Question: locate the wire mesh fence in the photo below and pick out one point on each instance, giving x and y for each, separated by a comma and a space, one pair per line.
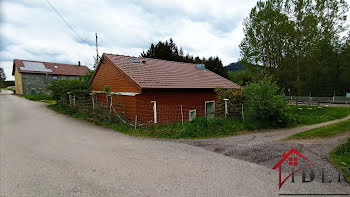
136, 112
139, 113
309, 100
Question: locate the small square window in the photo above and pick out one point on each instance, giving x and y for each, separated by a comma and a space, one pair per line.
54, 77
192, 114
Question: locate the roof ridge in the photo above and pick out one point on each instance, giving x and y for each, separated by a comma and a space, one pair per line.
150, 58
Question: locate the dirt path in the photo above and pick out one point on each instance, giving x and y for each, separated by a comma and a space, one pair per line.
266, 147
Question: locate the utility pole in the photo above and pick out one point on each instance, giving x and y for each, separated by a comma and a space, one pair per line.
96, 47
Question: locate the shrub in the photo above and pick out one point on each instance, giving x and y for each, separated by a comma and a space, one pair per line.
59, 88
264, 102
235, 99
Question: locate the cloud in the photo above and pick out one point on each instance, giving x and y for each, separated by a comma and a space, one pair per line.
32, 30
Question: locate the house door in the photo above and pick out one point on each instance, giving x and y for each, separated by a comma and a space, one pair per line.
209, 109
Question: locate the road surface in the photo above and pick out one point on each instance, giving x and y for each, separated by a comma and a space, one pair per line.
43, 153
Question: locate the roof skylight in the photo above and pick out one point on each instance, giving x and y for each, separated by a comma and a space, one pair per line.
134, 60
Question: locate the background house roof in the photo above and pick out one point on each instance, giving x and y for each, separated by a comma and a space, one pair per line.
51, 68
155, 73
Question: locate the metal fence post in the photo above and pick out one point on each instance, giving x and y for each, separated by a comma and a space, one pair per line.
182, 116
154, 111
226, 109
93, 101
242, 112
136, 121
110, 105
70, 100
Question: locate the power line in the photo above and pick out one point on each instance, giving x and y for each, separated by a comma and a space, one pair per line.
75, 32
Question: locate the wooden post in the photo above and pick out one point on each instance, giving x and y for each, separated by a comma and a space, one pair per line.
182, 116
154, 111
74, 100
226, 109
110, 105
93, 101
242, 113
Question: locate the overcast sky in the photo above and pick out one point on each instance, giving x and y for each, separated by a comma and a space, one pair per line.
32, 30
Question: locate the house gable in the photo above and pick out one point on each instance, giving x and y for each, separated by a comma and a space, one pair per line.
107, 74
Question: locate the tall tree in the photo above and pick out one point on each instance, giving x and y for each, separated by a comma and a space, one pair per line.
169, 51
296, 41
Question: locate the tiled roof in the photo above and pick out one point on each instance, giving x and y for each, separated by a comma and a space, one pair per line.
50, 67
155, 73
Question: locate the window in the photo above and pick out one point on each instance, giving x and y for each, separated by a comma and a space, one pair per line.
192, 114
210, 109
54, 77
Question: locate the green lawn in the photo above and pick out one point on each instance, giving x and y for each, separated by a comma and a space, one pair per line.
46, 98
324, 131
308, 115
340, 156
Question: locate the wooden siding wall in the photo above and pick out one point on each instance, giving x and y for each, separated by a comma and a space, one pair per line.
108, 75
169, 102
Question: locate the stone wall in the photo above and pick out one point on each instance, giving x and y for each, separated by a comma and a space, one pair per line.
36, 83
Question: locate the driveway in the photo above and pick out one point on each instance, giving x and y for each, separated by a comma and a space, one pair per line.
265, 147
43, 153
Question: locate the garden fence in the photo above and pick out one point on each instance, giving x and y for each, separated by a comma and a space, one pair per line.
143, 113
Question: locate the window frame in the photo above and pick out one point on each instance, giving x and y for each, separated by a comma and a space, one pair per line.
189, 114
205, 107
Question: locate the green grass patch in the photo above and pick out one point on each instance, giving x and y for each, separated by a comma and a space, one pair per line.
41, 97
308, 115
324, 131
340, 156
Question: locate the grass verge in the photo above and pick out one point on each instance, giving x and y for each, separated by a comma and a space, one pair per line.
200, 127
308, 115
324, 131
46, 98
340, 156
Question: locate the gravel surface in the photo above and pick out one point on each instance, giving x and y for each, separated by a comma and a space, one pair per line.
266, 147
43, 153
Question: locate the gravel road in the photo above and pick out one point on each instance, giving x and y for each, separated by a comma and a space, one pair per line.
43, 153
265, 147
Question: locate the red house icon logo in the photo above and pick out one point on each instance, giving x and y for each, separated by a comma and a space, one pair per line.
292, 160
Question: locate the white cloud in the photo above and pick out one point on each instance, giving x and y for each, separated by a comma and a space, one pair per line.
32, 30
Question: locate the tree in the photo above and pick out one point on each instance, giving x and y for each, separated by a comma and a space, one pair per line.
2, 78
297, 42
169, 51
215, 65
264, 102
